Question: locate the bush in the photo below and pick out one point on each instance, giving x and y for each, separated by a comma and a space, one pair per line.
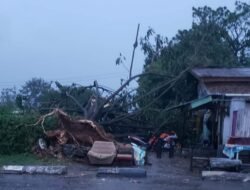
15, 134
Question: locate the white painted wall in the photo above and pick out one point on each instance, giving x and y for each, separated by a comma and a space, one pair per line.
236, 104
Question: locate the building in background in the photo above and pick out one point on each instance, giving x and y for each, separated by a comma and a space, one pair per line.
224, 101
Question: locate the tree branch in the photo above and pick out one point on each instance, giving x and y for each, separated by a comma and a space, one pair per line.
77, 103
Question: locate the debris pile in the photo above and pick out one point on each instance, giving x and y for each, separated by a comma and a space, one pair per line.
72, 137
82, 138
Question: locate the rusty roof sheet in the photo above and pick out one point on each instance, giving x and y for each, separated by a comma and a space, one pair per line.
221, 72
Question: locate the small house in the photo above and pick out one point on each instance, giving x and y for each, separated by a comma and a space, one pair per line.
224, 98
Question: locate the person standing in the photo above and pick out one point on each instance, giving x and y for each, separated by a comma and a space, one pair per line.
171, 148
159, 147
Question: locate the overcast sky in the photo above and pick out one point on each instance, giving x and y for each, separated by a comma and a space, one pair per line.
79, 40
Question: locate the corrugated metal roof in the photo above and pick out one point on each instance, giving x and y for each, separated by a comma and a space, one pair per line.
221, 72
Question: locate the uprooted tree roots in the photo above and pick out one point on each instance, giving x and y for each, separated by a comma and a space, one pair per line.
71, 137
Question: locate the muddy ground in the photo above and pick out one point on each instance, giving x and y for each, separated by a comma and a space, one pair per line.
162, 174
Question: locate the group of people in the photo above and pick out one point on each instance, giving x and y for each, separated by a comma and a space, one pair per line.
157, 143
165, 140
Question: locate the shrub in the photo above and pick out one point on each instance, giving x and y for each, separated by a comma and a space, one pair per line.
16, 135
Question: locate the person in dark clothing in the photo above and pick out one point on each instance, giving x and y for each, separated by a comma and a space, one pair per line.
159, 147
171, 149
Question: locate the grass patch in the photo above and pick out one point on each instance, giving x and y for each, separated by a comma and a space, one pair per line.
27, 159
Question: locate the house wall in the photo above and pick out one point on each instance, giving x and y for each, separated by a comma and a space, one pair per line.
235, 105
243, 122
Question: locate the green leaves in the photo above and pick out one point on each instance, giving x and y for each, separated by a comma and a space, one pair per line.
15, 135
32, 93
218, 38
120, 60
233, 28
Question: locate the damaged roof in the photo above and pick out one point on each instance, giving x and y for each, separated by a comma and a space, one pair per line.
221, 72
221, 81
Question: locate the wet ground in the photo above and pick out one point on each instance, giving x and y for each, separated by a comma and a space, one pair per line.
163, 174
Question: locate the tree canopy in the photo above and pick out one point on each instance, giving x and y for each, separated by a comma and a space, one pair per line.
217, 38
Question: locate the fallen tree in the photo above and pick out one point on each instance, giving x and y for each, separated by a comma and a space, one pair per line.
81, 131
70, 137
117, 112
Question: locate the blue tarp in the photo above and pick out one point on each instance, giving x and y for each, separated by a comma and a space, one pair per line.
139, 154
231, 150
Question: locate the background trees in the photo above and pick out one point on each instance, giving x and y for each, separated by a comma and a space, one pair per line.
233, 27
33, 92
218, 38
7, 99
